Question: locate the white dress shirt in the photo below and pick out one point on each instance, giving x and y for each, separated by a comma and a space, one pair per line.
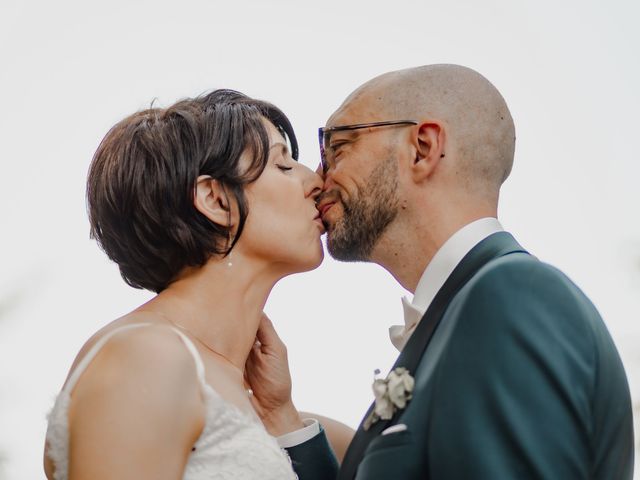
435, 274
311, 429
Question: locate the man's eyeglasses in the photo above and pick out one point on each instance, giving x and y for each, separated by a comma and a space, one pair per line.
324, 135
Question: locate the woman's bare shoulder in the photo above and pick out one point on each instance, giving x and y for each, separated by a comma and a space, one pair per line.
140, 388
149, 348
133, 318
140, 393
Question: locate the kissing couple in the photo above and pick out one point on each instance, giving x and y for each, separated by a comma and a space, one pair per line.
506, 370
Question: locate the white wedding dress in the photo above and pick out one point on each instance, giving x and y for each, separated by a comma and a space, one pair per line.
231, 446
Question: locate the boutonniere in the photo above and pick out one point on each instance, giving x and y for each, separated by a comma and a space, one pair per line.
392, 394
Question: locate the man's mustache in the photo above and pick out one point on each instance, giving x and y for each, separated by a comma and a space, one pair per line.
329, 196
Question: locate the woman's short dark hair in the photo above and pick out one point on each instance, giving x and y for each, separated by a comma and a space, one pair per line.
142, 180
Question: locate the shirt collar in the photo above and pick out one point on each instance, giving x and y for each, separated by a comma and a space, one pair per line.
437, 271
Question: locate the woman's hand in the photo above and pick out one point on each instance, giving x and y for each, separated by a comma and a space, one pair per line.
267, 373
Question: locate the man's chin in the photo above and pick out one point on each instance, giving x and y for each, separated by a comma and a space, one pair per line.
343, 253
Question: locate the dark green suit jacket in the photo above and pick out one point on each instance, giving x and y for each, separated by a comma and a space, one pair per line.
516, 377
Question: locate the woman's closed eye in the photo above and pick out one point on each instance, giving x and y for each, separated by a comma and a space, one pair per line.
284, 168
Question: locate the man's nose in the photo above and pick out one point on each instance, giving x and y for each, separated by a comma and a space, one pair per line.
326, 177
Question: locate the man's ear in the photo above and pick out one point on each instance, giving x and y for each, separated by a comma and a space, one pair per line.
429, 142
212, 201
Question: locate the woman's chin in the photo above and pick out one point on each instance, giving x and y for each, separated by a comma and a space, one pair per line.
319, 259
310, 263
314, 262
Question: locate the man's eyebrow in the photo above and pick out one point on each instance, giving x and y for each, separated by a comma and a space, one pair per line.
349, 134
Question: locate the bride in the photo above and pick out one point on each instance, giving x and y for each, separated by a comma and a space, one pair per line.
205, 204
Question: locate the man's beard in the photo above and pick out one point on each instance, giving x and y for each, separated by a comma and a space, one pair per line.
366, 215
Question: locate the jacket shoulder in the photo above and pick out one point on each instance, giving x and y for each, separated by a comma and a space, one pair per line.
520, 282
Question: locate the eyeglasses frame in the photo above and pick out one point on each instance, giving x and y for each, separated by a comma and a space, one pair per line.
322, 131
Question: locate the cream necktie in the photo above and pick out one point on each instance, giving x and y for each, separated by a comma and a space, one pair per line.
399, 334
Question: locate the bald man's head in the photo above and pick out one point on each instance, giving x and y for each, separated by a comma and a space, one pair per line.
479, 127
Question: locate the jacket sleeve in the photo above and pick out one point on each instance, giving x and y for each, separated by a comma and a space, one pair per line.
530, 386
314, 459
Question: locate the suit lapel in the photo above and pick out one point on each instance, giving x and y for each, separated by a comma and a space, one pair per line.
494, 246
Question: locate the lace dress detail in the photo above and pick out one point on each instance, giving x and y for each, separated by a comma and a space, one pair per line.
231, 446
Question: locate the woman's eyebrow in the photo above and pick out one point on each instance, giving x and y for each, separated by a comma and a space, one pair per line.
283, 146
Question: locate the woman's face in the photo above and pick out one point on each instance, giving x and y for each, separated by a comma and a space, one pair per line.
283, 226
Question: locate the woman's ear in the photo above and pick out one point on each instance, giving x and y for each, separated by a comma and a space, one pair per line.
429, 143
212, 201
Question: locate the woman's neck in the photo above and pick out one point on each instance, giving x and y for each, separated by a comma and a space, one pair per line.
220, 304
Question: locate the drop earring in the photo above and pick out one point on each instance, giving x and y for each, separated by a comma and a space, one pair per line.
228, 256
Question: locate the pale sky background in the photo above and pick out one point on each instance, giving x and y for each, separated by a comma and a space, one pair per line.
570, 72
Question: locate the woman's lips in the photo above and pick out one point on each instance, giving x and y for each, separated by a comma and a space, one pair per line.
320, 223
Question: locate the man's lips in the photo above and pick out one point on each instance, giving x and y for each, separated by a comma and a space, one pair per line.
324, 207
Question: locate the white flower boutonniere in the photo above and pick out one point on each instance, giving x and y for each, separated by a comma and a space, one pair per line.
392, 394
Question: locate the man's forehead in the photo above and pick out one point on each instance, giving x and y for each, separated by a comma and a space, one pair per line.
360, 109
337, 118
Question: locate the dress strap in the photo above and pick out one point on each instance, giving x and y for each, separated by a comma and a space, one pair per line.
86, 360
197, 359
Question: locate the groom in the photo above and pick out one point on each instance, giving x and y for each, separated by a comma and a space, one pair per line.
509, 370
